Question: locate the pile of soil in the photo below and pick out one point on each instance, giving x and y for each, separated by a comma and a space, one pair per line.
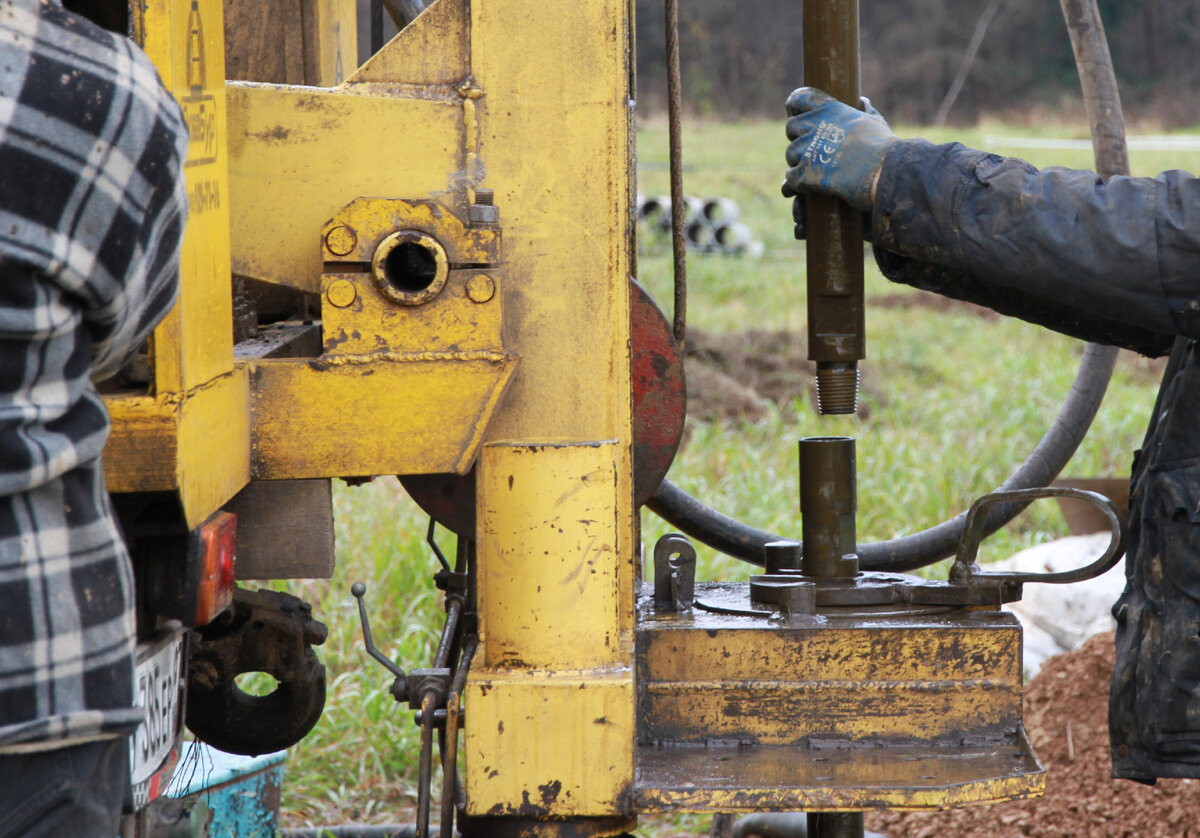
1066, 715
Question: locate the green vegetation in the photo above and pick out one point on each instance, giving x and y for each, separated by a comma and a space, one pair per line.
961, 400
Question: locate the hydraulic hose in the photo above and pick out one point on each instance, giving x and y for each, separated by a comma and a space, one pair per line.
1098, 81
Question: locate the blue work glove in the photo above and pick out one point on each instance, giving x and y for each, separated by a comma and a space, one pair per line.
836, 149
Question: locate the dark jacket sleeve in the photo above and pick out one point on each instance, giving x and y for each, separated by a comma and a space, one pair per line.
1114, 262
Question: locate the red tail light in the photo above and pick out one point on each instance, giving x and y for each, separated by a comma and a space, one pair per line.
216, 544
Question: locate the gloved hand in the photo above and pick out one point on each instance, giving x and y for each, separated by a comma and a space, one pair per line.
836, 149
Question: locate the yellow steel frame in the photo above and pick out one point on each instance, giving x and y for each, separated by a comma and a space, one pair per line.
301, 187
454, 102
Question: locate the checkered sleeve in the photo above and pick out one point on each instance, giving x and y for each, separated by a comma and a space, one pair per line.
91, 216
91, 150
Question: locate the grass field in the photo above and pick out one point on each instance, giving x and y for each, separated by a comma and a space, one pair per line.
963, 400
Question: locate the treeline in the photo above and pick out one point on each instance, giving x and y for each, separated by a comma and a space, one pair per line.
742, 57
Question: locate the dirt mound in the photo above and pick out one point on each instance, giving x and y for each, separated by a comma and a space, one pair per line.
1066, 714
736, 376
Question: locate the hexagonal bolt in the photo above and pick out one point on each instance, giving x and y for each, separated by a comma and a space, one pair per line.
483, 212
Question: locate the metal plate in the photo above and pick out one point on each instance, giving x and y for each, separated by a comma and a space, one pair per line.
154, 746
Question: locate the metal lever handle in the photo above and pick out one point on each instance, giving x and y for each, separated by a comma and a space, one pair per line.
965, 570
358, 589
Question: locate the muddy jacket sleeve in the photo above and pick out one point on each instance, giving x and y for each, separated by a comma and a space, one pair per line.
1114, 262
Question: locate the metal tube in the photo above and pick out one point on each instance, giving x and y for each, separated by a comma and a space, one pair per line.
425, 770
836, 326
454, 607
450, 744
835, 825
828, 501
675, 143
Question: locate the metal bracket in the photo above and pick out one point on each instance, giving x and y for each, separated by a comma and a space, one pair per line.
674, 573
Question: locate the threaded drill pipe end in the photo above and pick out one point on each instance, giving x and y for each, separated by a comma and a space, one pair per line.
837, 390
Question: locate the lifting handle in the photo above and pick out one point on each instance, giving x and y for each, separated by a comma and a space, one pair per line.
965, 570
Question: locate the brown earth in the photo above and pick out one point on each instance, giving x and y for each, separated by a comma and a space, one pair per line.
1066, 709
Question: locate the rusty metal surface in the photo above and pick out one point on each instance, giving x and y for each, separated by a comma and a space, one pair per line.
828, 503
733, 778
265, 631
674, 573
675, 141
497, 827
879, 676
659, 410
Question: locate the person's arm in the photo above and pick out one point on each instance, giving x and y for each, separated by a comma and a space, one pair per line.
1112, 262
95, 169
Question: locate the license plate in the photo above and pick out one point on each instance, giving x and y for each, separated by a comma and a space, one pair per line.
154, 746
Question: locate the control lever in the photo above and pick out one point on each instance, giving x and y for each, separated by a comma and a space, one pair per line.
410, 687
400, 685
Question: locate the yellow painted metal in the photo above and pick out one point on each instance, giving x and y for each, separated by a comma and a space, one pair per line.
553, 136
554, 674
194, 443
194, 344
396, 128
167, 439
375, 414
302, 148
866, 708
548, 531
335, 36
901, 678
905, 776
410, 374
548, 744
432, 50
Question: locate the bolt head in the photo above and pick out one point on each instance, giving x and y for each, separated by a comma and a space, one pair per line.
341, 293
483, 214
481, 288
341, 240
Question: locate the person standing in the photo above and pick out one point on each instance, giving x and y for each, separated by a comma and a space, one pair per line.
92, 210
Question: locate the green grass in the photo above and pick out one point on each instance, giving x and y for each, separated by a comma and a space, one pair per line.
964, 400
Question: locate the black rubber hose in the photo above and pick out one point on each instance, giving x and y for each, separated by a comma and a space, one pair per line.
1057, 446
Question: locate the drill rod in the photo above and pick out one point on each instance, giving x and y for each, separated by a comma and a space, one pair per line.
828, 503
836, 340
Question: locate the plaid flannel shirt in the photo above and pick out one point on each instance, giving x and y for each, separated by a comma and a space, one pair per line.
92, 207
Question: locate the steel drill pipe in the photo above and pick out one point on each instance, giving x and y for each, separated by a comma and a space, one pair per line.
836, 327
828, 503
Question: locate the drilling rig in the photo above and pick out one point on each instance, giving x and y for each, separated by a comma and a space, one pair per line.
422, 266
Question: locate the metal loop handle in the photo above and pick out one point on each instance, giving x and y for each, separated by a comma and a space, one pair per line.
965, 570
674, 573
